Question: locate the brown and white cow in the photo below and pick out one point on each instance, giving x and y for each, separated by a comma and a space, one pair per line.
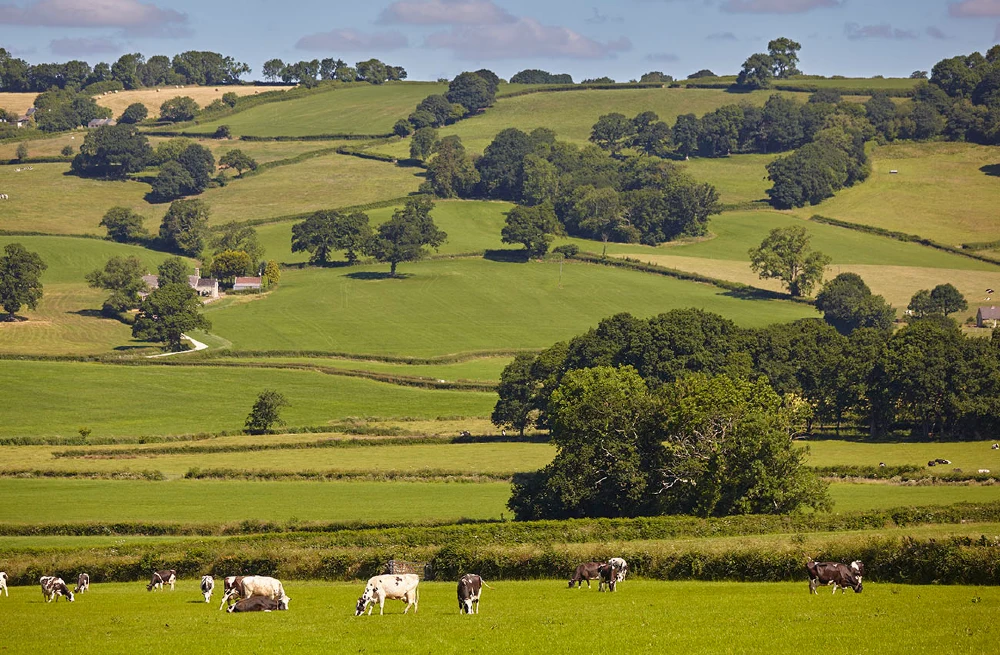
251, 586
835, 574
587, 571
160, 578
470, 588
54, 587
207, 585
256, 604
607, 575
393, 587
82, 583
3, 583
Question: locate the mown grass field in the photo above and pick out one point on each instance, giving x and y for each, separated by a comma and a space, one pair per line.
941, 192
481, 368
361, 109
58, 398
738, 178
969, 456
505, 305
524, 617
48, 147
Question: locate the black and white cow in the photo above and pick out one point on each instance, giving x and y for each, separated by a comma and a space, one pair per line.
82, 583
470, 588
53, 587
585, 572
3, 583
621, 565
207, 585
835, 574
160, 578
256, 604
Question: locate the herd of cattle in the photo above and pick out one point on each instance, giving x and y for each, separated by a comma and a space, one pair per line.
260, 593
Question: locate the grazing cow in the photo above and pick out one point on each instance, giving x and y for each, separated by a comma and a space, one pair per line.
833, 573
588, 572
53, 588
470, 588
621, 565
607, 575
257, 604
3, 583
207, 585
251, 586
393, 587
82, 583
858, 567
232, 588
995, 446
160, 578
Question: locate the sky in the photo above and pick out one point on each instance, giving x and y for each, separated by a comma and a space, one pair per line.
440, 38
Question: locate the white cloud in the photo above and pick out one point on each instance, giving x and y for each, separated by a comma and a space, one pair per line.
974, 8
352, 41
82, 47
777, 6
129, 15
857, 32
445, 12
525, 38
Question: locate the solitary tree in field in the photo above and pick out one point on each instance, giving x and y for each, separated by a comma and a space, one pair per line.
134, 113
124, 225
403, 237
326, 231
176, 110
238, 160
20, 279
266, 412
784, 55
167, 313
785, 255
531, 226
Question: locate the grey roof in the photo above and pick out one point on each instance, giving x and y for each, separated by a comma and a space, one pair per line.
989, 313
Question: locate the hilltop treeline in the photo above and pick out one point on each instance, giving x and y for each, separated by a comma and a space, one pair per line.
308, 73
927, 379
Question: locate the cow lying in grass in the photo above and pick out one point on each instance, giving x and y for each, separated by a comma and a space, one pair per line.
251, 586
53, 588
257, 604
394, 587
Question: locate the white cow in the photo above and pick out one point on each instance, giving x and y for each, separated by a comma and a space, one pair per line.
82, 583
621, 567
259, 586
207, 585
53, 588
3, 583
394, 587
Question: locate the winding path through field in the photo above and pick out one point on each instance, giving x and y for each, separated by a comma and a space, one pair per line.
197, 346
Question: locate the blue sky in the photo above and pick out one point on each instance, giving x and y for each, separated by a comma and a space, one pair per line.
440, 38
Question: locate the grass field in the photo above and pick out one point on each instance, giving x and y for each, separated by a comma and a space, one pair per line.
969, 456
480, 368
738, 179
153, 98
363, 109
941, 192
57, 398
859, 83
688, 617
48, 147
505, 305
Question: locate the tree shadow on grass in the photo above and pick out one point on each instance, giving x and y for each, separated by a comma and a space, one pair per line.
992, 170
126, 349
376, 275
91, 313
755, 293
507, 255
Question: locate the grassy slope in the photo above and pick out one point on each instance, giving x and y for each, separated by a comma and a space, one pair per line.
65, 321
739, 178
364, 109
525, 617
485, 368
966, 455
463, 305
58, 398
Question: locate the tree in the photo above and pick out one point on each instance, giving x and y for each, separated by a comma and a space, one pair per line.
67, 150
656, 76
122, 276
326, 231
704, 72
265, 413
598, 213
531, 226
918, 75
650, 135
372, 71
757, 72
22, 151
272, 69
402, 128
124, 225
948, 300
685, 134
403, 237
238, 160
438, 106
176, 110
167, 313
922, 305
185, 226
611, 132
422, 143
134, 113
199, 162
112, 151
784, 54
472, 92
272, 272
173, 181
20, 279
785, 255
451, 172
848, 304
173, 270
230, 264
501, 168
230, 98
541, 181
233, 236
515, 390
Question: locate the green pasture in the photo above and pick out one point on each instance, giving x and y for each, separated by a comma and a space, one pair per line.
68, 320
856, 83
970, 456
850, 497
521, 617
48, 147
485, 369
263, 151
58, 398
362, 109
48, 199
452, 306
738, 178
572, 114
472, 226
942, 191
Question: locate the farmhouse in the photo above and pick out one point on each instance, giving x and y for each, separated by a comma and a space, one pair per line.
207, 287
22, 121
987, 316
247, 284
101, 122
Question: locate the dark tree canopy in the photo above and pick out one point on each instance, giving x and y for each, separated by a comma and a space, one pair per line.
531, 226
20, 279
472, 92
122, 276
134, 113
174, 270
266, 412
179, 109
757, 72
112, 151
403, 237
185, 226
451, 172
238, 161
326, 231
848, 304
124, 225
167, 313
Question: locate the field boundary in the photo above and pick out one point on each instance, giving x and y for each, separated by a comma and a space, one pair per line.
287, 218
421, 475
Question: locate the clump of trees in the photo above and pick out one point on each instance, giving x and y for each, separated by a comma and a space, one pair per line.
185, 172
468, 93
113, 152
942, 300
535, 76
309, 73
184, 228
66, 109
167, 313
178, 109
122, 276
